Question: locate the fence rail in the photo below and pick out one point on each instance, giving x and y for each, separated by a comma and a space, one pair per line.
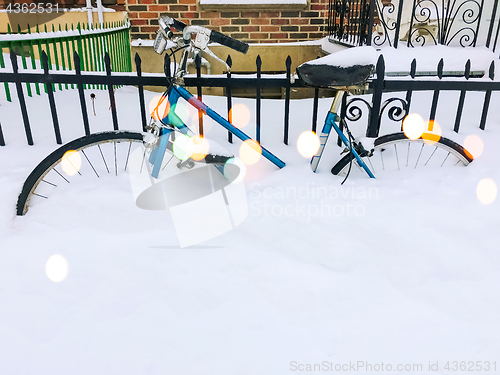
91, 43
463, 23
395, 108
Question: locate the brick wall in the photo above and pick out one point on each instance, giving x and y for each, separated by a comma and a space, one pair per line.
259, 26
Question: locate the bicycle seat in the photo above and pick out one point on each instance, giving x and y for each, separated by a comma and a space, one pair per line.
350, 67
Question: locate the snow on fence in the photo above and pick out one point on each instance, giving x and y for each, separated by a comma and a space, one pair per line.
465, 23
90, 41
393, 107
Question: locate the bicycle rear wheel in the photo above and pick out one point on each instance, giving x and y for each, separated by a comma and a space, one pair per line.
99, 153
396, 152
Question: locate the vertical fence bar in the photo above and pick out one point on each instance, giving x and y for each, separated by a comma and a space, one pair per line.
288, 64
197, 63
111, 91
371, 16
52, 103
81, 93
492, 22
409, 93
343, 111
315, 110
461, 101
373, 122
435, 97
5, 84
258, 99
398, 24
2, 140
25, 65
138, 68
487, 98
229, 62
20, 95
33, 62
478, 23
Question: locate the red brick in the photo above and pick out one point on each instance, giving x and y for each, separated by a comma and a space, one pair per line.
148, 29
192, 8
250, 28
178, 8
190, 2
299, 21
259, 36
209, 15
189, 15
148, 15
270, 14
309, 28
271, 29
220, 21
279, 21
144, 2
316, 35
278, 35
136, 22
132, 15
157, 8
250, 14
318, 7
260, 21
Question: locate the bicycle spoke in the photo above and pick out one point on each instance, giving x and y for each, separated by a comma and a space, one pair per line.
420, 153
445, 159
128, 154
382, 157
104, 160
50, 183
76, 169
60, 175
83, 152
143, 158
435, 149
397, 158
408, 154
168, 162
41, 196
116, 170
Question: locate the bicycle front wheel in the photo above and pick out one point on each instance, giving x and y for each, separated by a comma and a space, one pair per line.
94, 155
397, 152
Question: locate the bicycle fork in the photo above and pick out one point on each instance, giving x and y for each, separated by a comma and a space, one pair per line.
331, 122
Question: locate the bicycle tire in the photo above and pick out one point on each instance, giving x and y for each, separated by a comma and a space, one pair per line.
445, 146
54, 159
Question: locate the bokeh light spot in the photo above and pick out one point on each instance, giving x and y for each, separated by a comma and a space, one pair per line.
473, 145
183, 146
240, 115
200, 148
56, 268
71, 162
434, 135
308, 144
413, 126
250, 152
486, 191
159, 107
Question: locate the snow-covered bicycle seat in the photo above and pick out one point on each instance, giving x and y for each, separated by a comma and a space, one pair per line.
350, 67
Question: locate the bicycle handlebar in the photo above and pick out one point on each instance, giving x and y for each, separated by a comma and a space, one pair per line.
227, 41
166, 23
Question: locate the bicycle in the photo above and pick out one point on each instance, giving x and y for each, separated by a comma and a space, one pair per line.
338, 72
166, 128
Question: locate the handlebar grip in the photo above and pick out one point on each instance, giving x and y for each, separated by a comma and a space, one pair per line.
178, 25
227, 41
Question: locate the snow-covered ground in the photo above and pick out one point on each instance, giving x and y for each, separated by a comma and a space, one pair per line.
401, 271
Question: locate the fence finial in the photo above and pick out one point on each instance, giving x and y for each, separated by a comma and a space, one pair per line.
467, 69
9, 31
492, 70
229, 61
440, 68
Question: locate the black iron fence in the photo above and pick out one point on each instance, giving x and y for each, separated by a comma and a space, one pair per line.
463, 23
380, 106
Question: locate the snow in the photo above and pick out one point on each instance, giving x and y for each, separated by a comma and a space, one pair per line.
403, 270
400, 59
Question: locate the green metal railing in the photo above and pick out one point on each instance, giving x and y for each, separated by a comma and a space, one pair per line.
90, 42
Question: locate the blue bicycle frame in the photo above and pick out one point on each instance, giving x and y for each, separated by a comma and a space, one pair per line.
173, 94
